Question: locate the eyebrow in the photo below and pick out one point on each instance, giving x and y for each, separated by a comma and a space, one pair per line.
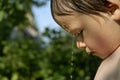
66, 28
72, 32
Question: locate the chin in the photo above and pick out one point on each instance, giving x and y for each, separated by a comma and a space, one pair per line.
96, 54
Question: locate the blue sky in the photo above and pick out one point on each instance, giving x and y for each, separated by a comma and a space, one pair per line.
43, 17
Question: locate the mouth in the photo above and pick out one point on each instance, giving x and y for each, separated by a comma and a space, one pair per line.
92, 53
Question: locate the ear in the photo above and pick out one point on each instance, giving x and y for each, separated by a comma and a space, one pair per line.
116, 15
116, 2
114, 8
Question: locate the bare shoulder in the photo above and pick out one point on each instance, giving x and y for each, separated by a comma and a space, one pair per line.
109, 68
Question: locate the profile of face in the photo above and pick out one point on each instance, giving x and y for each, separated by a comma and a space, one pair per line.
99, 35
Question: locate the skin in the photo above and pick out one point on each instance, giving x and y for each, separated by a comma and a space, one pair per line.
116, 15
99, 35
96, 33
110, 67
117, 2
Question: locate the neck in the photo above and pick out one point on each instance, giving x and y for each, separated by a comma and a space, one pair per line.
115, 53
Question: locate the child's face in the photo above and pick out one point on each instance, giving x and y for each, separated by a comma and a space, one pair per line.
97, 34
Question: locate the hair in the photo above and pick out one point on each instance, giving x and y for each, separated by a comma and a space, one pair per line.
58, 7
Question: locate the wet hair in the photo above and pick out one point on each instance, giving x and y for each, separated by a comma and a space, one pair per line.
58, 7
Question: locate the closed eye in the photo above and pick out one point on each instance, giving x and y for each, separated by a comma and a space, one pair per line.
79, 35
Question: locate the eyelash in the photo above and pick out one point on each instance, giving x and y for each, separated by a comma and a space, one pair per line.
79, 36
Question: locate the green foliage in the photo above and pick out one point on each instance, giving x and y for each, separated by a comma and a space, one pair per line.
46, 58
59, 53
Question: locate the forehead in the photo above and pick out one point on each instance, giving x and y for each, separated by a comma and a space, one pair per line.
63, 21
69, 22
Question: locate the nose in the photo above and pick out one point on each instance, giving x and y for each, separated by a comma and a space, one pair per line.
81, 44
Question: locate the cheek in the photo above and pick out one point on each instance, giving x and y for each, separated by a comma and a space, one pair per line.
96, 41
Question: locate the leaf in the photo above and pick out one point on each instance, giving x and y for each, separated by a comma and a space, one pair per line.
19, 6
14, 76
1, 15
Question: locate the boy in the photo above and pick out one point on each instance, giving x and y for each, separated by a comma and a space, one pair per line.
96, 24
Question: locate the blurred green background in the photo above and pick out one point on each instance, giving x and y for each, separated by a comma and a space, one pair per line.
26, 54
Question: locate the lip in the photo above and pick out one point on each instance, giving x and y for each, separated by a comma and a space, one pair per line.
91, 53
